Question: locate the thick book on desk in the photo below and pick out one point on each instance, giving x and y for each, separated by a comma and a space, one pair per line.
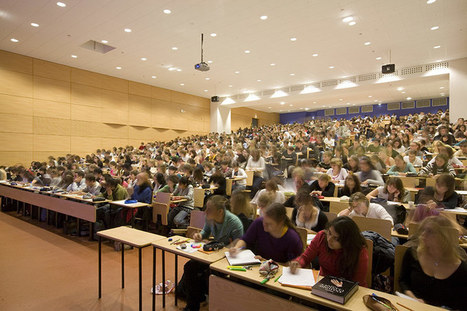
336, 289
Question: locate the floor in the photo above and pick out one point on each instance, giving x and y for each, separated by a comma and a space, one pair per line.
43, 269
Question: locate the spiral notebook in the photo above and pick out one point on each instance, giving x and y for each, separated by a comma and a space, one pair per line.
244, 257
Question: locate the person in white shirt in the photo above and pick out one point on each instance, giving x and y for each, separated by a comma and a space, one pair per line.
92, 186
359, 205
240, 177
337, 173
79, 183
412, 158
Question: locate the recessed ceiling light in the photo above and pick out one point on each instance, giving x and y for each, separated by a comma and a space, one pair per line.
378, 58
369, 96
409, 98
352, 23
291, 105
14, 40
347, 19
144, 59
237, 72
314, 55
292, 74
430, 1
324, 106
247, 52
264, 17
439, 60
293, 39
174, 48
118, 67
375, 100
258, 80
61, 4
272, 64
207, 79
34, 24
127, 30
167, 11
442, 94
353, 104
367, 43
205, 90
153, 77
437, 46
340, 99
307, 108
182, 84
230, 85
213, 34
209, 61
104, 41
74, 56
403, 92
280, 110
434, 28
441, 87
172, 69
178, 69
331, 67
347, 103
269, 107
282, 103
400, 88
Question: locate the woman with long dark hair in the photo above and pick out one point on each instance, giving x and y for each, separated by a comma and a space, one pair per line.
341, 251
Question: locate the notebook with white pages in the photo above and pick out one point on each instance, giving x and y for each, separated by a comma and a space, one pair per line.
244, 257
302, 278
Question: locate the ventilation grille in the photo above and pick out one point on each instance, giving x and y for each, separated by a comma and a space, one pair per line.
423, 103
411, 70
408, 105
97, 47
367, 77
394, 106
436, 102
329, 112
329, 83
268, 92
367, 109
296, 88
435, 66
341, 111
354, 110
395, 74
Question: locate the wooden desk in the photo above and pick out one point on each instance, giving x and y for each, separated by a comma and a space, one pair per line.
253, 277
166, 245
130, 206
198, 195
130, 236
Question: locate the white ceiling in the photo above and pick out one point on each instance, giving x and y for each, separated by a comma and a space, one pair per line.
398, 25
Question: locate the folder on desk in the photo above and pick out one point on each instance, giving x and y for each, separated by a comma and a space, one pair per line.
244, 257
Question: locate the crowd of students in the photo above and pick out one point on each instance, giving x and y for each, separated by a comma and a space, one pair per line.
364, 157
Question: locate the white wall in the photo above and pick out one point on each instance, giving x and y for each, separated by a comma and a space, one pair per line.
458, 89
220, 118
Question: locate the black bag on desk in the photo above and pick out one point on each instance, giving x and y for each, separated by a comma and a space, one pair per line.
397, 211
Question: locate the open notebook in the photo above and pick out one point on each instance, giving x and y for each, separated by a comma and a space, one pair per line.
303, 278
244, 257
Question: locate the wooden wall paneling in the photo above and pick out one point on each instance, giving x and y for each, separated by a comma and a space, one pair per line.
114, 131
15, 62
86, 77
16, 157
47, 108
86, 95
114, 142
160, 114
43, 156
86, 129
51, 89
52, 126
85, 145
141, 133
10, 123
114, 84
50, 70
51, 143
15, 83
16, 105
135, 88
160, 93
86, 113
17, 142
114, 107
139, 109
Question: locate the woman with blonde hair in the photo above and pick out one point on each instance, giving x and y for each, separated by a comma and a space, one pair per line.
336, 171
241, 207
434, 269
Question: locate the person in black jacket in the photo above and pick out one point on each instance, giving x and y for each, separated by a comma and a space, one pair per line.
308, 215
323, 187
298, 176
443, 193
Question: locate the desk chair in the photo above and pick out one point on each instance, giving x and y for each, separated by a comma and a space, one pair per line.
381, 226
197, 221
369, 277
303, 233
289, 211
337, 207
409, 182
330, 216
160, 207
399, 256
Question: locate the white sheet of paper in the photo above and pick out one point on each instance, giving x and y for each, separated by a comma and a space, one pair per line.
310, 237
302, 277
244, 257
404, 296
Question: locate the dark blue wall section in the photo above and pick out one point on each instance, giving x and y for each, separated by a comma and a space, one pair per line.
378, 109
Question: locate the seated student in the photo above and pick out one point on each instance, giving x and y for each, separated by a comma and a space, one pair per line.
273, 189
171, 185
92, 186
198, 177
325, 163
352, 164
307, 215
218, 181
159, 183
257, 164
208, 169
368, 174
225, 170
142, 191
386, 157
178, 216
42, 178
351, 185
264, 200
434, 268
359, 205
443, 194
401, 167
393, 190
288, 159
272, 236
374, 147
323, 186
240, 206
412, 158
299, 183
378, 163
439, 166
107, 213
79, 183
462, 152
336, 171
66, 182
55, 176
225, 227
240, 175
341, 250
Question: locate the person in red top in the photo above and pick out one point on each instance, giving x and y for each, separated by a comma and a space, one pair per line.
341, 250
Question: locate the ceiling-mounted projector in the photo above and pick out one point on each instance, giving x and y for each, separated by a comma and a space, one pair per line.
202, 66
